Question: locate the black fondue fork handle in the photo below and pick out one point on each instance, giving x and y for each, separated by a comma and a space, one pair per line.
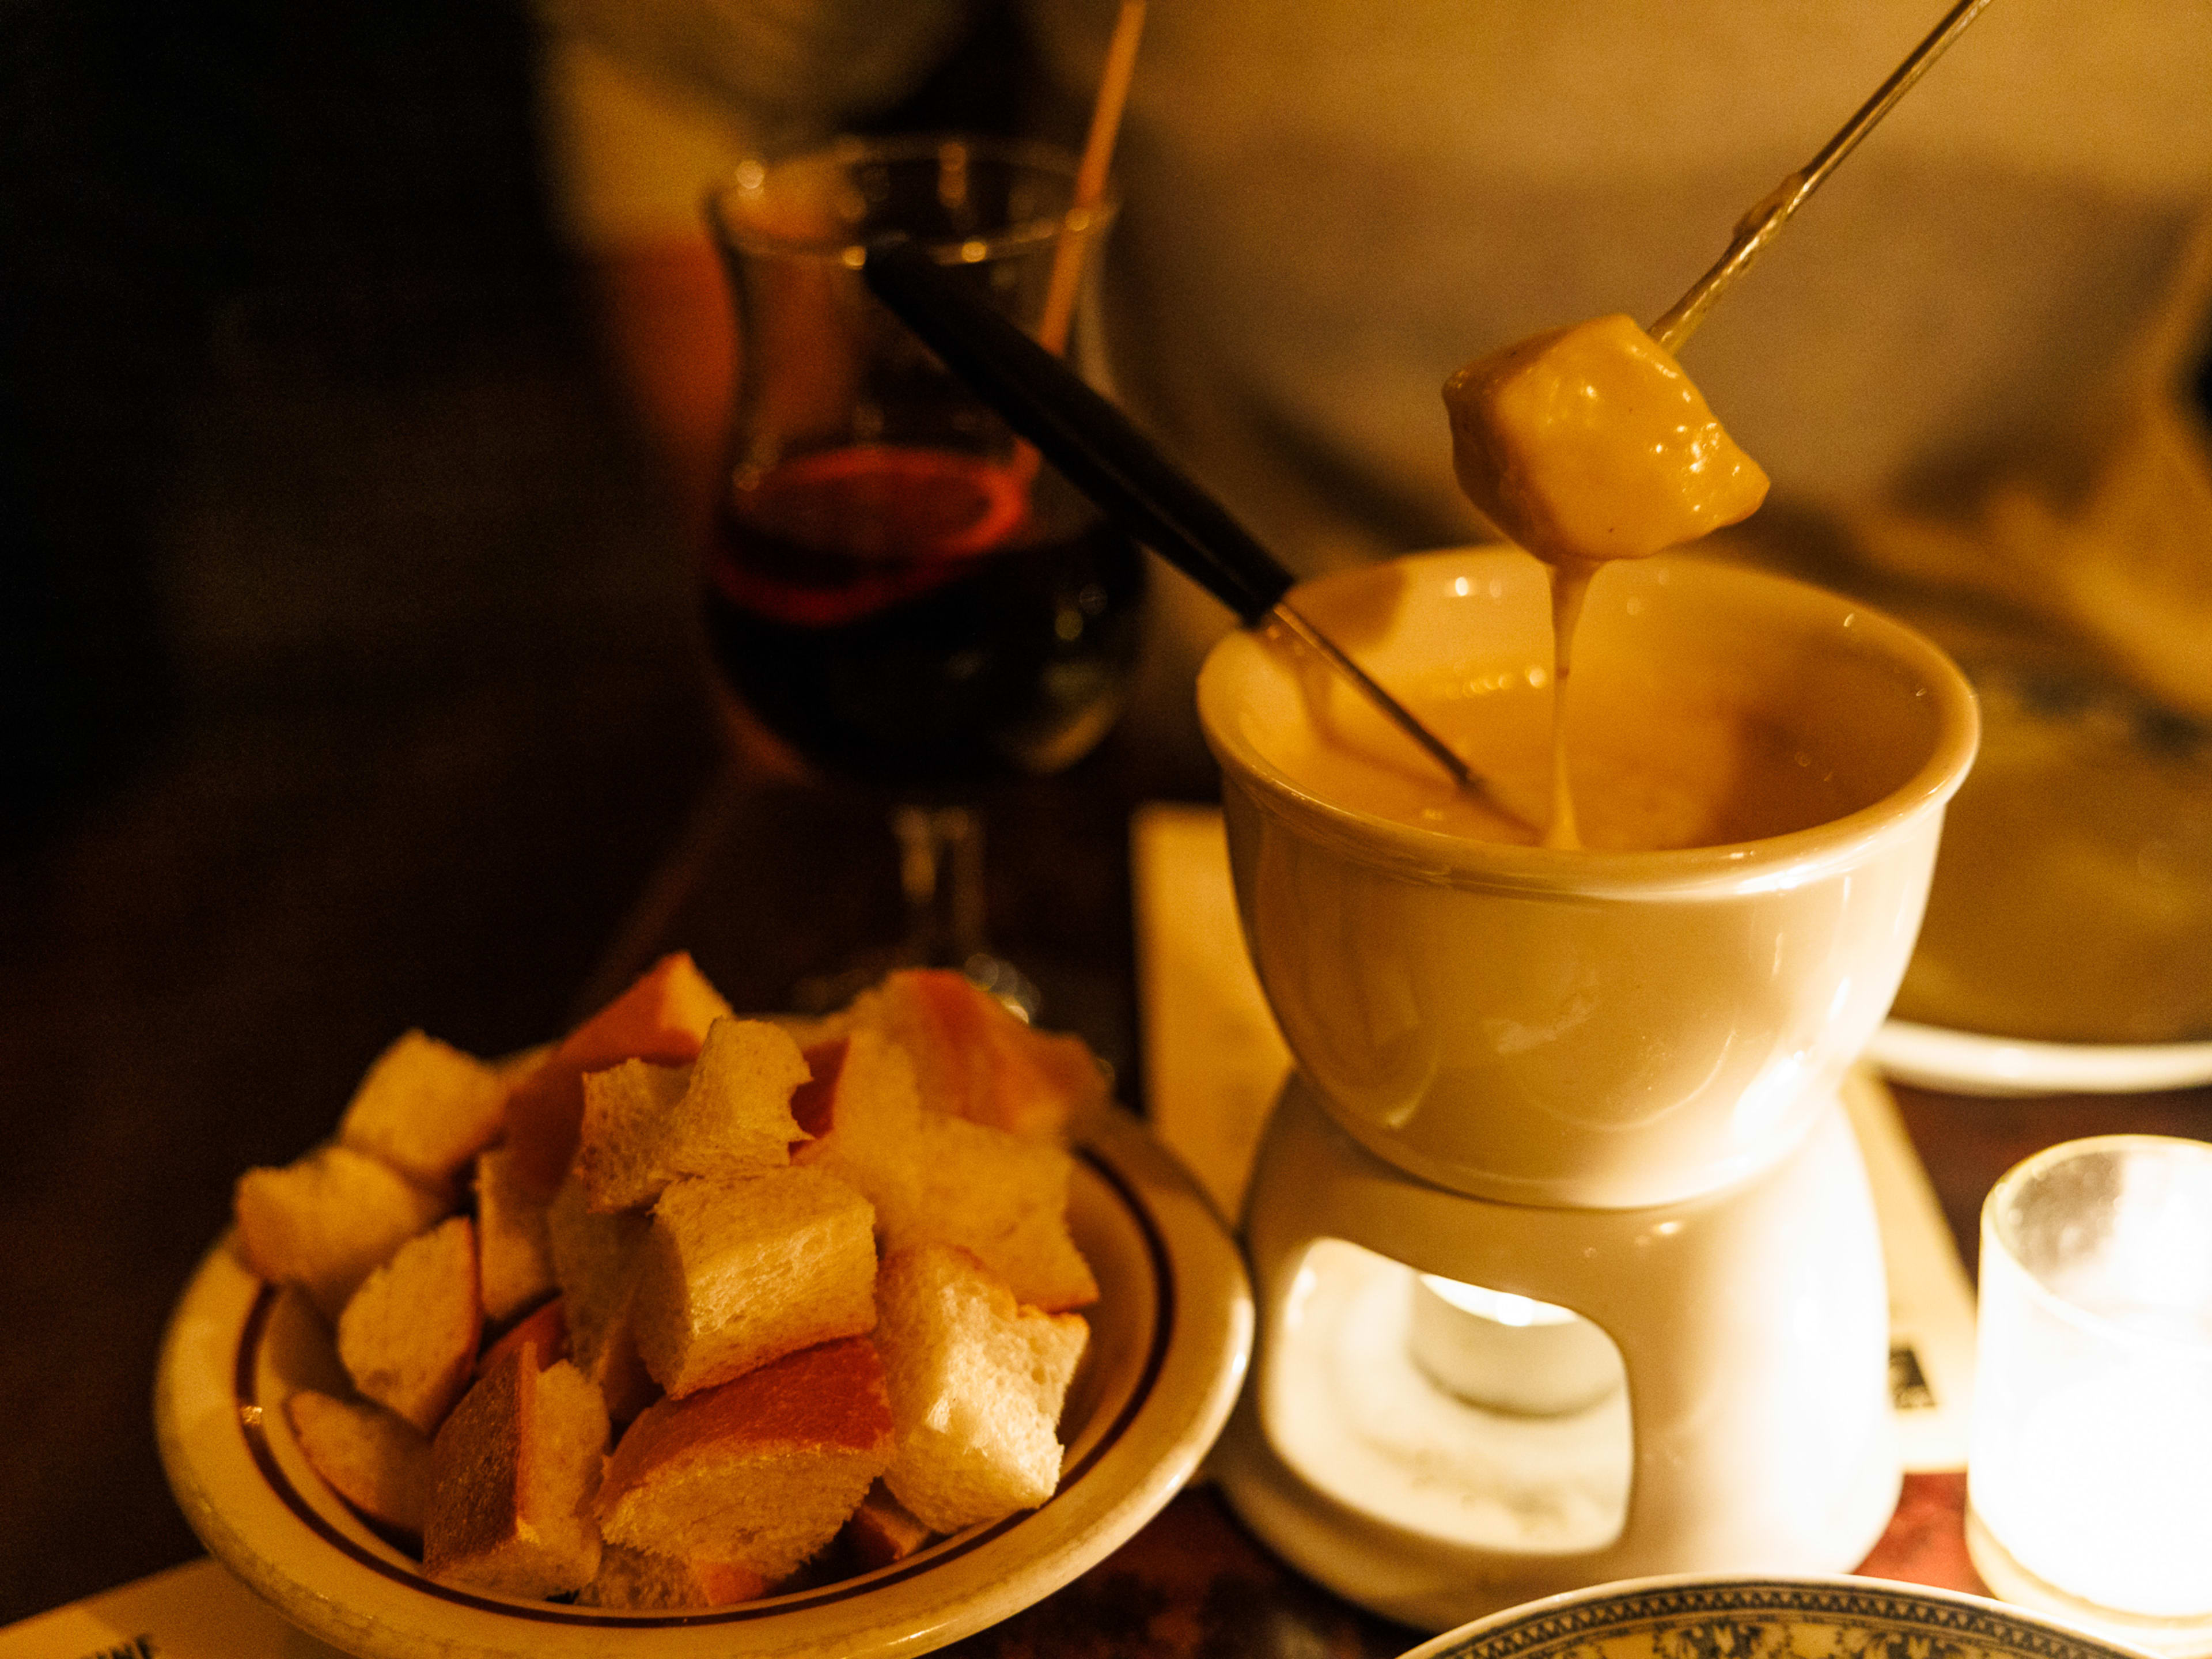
1094, 444
1103, 453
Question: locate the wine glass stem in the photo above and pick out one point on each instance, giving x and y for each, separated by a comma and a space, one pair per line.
941, 874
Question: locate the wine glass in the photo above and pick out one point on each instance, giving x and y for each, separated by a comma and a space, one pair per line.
895, 587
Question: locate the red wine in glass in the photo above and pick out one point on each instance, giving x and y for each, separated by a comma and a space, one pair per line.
921, 619
896, 588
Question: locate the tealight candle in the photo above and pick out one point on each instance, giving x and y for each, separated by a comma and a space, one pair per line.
2091, 1455
1508, 1352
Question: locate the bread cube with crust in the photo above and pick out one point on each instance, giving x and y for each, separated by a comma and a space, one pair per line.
325, 1221
939, 1179
378, 1463
861, 1111
1002, 1198
514, 1252
641, 1580
545, 1327
735, 1274
408, 1337
759, 1472
977, 1384
975, 1058
513, 1472
728, 1114
883, 1530
662, 1017
426, 1108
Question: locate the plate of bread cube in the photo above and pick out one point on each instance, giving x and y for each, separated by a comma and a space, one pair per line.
693, 1333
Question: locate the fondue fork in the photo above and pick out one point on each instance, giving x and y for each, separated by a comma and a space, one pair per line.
1103, 454
1759, 227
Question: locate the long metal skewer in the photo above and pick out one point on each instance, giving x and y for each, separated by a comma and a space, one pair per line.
1400, 716
1758, 228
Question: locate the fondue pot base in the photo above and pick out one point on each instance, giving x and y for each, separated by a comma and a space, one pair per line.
1753, 1431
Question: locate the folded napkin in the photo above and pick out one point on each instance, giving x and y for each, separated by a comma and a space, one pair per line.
197, 1611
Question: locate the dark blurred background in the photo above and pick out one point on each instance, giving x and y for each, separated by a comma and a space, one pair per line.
243, 241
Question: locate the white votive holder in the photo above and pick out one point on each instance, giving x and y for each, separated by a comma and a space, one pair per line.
2090, 1462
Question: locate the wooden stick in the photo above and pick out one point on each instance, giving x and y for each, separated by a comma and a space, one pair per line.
1090, 177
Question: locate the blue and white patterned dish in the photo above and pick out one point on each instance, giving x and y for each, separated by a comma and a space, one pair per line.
1705, 1616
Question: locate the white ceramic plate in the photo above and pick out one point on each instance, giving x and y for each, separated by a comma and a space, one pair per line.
1171, 1336
1965, 1063
1705, 1616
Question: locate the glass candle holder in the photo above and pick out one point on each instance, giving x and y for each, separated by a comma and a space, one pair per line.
2090, 1464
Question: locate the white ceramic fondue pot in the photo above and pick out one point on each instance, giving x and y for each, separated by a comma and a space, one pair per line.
1602, 1081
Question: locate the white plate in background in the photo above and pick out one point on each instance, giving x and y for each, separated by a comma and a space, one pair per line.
1967, 1063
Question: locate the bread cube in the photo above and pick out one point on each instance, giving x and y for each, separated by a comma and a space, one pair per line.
662, 1017
977, 1384
1000, 1197
735, 1274
735, 1116
426, 1108
883, 1530
408, 1337
595, 1259
625, 1107
939, 1179
861, 1109
595, 1256
759, 1472
639, 1580
325, 1221
514, 1252
975, 1058
378, 1463
515, 1470
1588, 443
728, 1114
